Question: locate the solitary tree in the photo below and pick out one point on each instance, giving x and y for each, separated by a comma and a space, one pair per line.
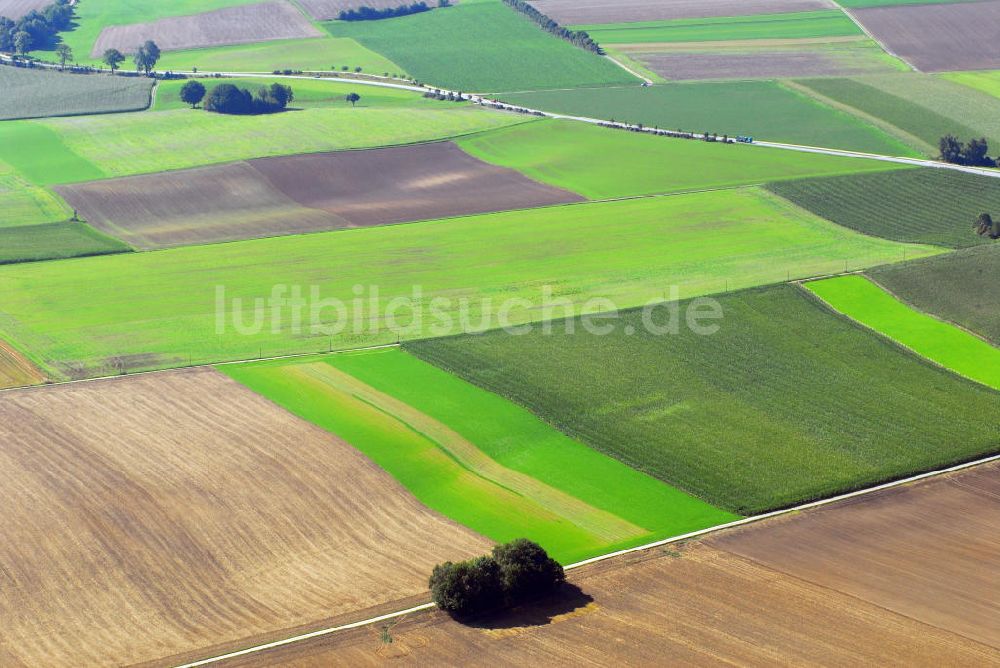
146, 56
987, 227
65, 55
22, 42
353, 98
192, 93
357, 69
113, 58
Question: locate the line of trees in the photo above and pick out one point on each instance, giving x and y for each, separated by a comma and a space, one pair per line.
579, 38
974, 153
36, 29
514, 573
371, 14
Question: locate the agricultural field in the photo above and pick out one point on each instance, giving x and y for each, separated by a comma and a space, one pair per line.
762, 109
23, 203
958, 287
326, 10
938, 37
561, 153
155, 310
785, 591
860, 4
304, 193
15, 370
986, 81
481, 46
15, 9
941, 342
36, 93
828, 23
924, 205
477, 458
244, 24
576, 12
39, 155
52, 241
760, 414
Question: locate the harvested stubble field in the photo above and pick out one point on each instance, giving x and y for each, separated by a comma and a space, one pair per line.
146, 517
15, 9
923, 205
150, 310
939, 37
763, 413
577, 12
15, 370
959, 287
782, 592
304, 193
244, 24
476, 457
36, 92
326, 10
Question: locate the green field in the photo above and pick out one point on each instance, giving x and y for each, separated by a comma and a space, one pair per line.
924, 205
476, 457
68, 150
23, 203
481, 46
796, 25
35, 93
764, 413
910, 120
296, 54
762, 109
601, 163
154, 310
960, 287
941, 342
52, 241
987, 81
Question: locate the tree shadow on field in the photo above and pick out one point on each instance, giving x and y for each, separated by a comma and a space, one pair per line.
569, 598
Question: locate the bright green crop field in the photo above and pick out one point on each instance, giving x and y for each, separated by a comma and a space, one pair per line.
164, 308
761, 109
924, 205
764, 413
941, 342
987, 81
67, 150
23, 203
296, 54
481, 46
52, 241
601, 163
959, 287
476, 457
796, 25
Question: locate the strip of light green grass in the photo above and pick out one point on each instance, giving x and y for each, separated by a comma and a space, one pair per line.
795, 25
39, 154
941, 342
298, 54
23, 203
601, 163
161, 309
761, 109
986, 81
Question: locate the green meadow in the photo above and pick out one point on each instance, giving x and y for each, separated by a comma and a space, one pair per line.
161, 309
602, 163
762, 413
41, 155
795, 25
941, 342
476, 457
23, 203
761, 109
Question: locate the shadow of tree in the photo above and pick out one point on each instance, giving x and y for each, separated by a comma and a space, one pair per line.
567, 599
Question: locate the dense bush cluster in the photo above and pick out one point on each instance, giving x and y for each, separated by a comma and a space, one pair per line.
973, 154
516, 572
36, 29
579, 38
372, 14
229, 99
987, 227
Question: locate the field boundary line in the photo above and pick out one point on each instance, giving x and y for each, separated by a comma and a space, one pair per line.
872, 37
629, 69
611, 555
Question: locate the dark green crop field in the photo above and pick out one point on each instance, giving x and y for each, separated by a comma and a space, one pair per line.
926, 205
53, 241
961, 287
767, 412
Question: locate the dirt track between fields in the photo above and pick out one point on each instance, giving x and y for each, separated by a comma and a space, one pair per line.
149, 516
568, 12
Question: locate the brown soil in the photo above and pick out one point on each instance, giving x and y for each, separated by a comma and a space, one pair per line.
15, 9
304, 193
568, 12
753, 65
233, 25
937, 38
905, 577
153, 515
16, 370
325, 10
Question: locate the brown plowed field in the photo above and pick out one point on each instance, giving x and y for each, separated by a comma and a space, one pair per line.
906, 577
15, 370
325, 10
568, 12
15, 9
758, 65
149, 516
937, 38
233, 25
304, 193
